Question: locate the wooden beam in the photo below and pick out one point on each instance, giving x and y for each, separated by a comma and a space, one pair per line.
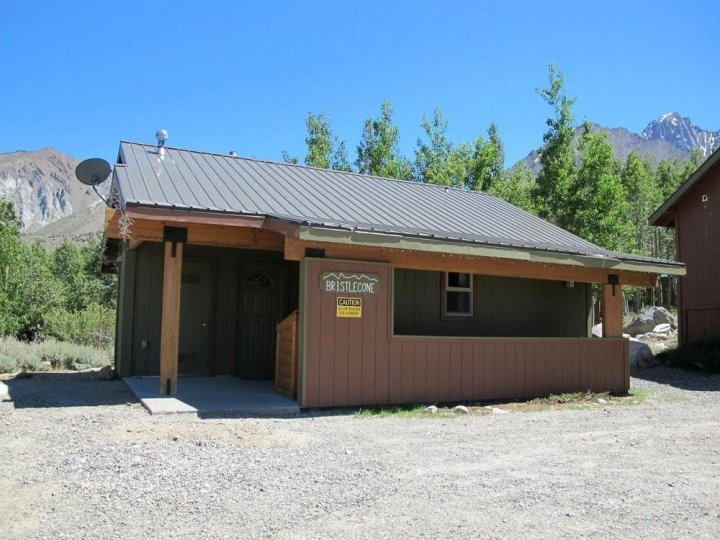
289, 230
151, 230
418, 260
612, 310
170, 328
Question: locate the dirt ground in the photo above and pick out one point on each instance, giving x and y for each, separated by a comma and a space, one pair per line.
80, 458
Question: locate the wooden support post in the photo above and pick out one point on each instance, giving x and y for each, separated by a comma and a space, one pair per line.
612, 308
170, 329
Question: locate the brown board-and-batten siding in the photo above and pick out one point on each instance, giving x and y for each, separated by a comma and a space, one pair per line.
697, 228
358, 361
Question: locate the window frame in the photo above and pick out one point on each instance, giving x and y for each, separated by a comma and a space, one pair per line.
469, 290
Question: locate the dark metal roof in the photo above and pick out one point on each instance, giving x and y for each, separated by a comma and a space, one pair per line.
201, 181
663, 215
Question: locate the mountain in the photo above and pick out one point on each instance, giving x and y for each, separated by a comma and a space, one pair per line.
669, 137
682, 133
42, 186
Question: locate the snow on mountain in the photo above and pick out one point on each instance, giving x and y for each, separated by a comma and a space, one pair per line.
682, 133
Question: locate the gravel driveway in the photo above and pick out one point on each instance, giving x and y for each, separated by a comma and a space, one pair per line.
80, 458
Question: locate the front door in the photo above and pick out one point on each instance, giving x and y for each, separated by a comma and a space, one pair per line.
260, 292
197, 305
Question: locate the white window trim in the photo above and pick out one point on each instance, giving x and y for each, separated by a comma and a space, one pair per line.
447, 288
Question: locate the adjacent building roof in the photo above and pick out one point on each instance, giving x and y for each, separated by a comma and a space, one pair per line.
663, 216
325, 199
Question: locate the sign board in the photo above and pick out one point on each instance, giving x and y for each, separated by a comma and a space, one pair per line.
349, 282
349, 307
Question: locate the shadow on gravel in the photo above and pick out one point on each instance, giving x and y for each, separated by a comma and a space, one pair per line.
679, 378
67, 389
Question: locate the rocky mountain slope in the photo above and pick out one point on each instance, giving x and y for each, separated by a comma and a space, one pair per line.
42, 186
670, 136
682, 133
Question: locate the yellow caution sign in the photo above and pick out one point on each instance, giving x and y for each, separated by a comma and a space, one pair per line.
349, 307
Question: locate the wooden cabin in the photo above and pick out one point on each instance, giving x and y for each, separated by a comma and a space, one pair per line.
694, 212
355, 290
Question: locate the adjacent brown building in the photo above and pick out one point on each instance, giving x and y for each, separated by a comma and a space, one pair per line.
354, 290
694, 212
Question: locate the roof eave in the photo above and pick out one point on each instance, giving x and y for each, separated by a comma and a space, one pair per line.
662, 217
396, 241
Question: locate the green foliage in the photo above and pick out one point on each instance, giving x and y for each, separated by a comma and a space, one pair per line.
601, 207
378, 152
478, 167
701, 355
324, 149
516, 188
642, 199
287, 158
93, 325
554, 194
63, 287
318, 140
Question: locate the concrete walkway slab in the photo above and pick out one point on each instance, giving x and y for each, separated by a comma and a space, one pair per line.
213, 396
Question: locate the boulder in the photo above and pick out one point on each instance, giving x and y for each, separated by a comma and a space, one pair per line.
461, 409
640, 354
664, 328
661, 316
640, 324
432, 409
106, 373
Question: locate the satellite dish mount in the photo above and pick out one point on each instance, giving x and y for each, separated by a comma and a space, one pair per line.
93, 172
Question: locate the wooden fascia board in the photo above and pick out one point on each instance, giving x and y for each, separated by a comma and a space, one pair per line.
204, 218
448, 262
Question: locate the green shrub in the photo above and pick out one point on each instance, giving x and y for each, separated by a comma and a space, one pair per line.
703, 355
24, 355
94, 326
62, 355
16, 355
7, 364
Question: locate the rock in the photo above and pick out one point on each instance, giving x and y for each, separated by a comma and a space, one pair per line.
661, 316
597, 330
432, 409
640, 354
495, 410
602, 401
106, 373
664, 328
640, 324
461, 409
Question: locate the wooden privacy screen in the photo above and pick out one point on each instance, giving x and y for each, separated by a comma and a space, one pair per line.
356, 361
286, 356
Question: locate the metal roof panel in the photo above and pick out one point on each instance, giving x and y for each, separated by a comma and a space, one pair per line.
186, 179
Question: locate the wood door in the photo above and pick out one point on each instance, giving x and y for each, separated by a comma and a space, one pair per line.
197, 308
260, 291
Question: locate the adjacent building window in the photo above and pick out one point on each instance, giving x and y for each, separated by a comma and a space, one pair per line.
458, 294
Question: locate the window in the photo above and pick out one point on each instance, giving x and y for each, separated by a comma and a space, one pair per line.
458, 294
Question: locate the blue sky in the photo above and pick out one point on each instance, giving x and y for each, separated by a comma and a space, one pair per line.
220, 76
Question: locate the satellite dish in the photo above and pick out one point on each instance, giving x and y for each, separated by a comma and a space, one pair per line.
92, 172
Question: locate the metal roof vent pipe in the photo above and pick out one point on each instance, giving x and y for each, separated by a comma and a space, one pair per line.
233, 153
162, 137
